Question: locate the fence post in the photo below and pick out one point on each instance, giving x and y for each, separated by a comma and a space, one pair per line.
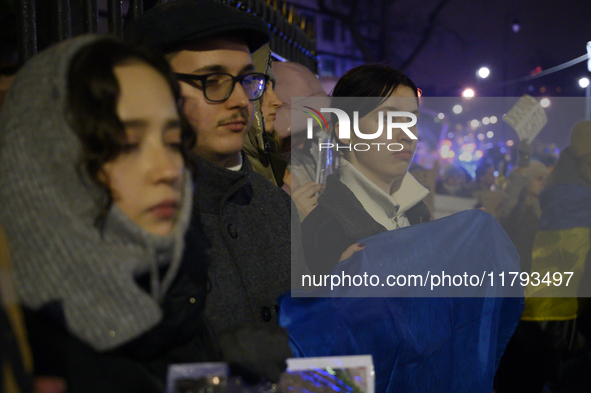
62, 19
114, 17
137, 8
27, 26
90, 16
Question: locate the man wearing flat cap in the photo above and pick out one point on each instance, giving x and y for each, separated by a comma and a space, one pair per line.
245, 217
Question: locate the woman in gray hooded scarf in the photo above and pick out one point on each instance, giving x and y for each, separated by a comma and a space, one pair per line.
96, 202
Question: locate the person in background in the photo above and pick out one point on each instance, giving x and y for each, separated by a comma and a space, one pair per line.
270, 103
522, 222
551, 348
524, 364
516, 180
454, 182
245, 217
485, 178
260, 146
295, 80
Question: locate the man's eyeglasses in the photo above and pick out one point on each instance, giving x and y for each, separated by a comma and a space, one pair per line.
218, 87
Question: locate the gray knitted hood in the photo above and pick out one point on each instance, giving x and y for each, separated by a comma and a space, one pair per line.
48, 211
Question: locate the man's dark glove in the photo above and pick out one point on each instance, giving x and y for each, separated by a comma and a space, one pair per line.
256, 352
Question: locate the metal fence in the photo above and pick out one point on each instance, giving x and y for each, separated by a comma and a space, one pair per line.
292, 36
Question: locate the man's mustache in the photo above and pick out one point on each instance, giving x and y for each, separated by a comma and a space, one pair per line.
235, 117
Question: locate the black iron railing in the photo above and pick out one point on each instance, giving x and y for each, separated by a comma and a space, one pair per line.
292, 36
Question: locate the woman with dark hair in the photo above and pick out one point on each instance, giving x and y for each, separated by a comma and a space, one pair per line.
105, 82
97, 203
373, 191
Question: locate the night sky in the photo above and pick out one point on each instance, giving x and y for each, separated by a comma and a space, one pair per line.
469, 34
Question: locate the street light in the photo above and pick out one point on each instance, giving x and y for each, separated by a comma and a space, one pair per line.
468, 93
483, 72
584, 83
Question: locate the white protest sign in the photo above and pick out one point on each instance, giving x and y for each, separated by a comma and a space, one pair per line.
527, 117
446, 205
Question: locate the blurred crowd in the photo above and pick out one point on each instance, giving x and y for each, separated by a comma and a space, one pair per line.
538, 206
157, 200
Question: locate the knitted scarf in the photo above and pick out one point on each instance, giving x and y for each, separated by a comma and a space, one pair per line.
48, 211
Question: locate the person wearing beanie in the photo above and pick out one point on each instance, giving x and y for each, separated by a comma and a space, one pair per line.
245, 217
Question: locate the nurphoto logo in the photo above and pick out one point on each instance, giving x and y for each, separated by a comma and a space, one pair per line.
392, 122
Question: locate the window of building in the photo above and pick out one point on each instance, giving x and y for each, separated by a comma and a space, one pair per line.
343, 33
328, 29
310, 19
327, 66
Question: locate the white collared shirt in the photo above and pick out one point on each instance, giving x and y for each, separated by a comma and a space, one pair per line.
236, 168
387, 210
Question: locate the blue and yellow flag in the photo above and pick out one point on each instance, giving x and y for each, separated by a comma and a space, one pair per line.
419, 344
560, 255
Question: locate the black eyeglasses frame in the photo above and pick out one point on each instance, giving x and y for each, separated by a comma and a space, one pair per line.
235, 79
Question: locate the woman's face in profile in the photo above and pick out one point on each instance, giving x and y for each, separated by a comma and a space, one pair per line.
146, 178
269, 105
536, 184
387, 164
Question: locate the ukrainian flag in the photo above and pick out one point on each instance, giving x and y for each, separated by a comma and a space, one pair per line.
418, 344
562, 245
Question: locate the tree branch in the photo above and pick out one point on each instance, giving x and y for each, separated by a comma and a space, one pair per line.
349, 21
426, 34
